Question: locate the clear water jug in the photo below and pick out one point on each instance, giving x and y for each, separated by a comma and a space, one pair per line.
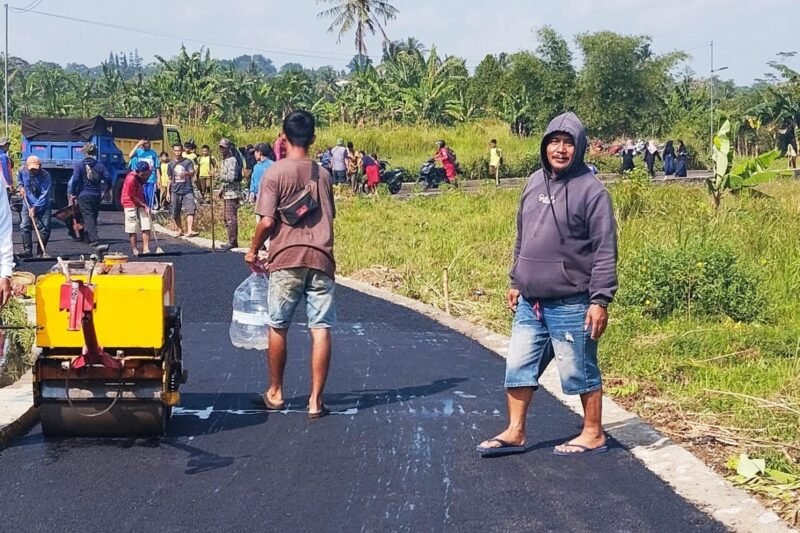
249, 329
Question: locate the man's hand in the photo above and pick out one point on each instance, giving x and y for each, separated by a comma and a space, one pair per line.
512, 298
73, 198
31, 212
169, 197
253, 261
596, 320
5, 291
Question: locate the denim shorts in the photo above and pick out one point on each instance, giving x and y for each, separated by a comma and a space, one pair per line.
544, 330
288, 287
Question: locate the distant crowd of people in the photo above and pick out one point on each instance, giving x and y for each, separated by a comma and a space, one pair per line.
675, 160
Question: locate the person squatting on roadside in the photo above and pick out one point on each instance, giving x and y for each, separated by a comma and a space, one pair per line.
563, 277
301, 261
181, 192
134, 205
34, 184
231, 176
86, 185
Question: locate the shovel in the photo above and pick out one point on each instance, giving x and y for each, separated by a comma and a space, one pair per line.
45, 255
159, 251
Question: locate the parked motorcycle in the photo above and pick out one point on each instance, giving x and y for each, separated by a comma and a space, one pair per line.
392, 177
430, 175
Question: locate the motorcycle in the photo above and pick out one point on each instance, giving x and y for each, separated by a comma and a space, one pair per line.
392, 177
431, 175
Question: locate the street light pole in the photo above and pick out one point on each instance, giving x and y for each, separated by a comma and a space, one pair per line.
711, 82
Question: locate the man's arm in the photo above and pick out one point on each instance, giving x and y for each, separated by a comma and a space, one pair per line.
6, 166
135, 149
72, 184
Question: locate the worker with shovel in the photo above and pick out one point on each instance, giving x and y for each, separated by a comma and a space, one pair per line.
35, 184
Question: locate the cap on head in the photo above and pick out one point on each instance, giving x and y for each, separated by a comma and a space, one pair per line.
33, 162
225, 143
142, 166
89, 149
339, 142
440, 143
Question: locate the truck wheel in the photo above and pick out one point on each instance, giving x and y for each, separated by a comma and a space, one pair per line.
118, 195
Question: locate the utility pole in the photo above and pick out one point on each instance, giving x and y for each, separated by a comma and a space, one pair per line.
6, 72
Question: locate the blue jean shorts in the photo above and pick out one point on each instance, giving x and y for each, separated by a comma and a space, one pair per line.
288, 287
544, 330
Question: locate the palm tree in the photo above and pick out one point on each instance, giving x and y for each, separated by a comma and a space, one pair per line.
363, 15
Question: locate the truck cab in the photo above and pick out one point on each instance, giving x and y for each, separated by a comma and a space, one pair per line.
58, 142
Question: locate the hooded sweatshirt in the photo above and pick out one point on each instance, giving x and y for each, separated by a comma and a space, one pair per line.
566, 233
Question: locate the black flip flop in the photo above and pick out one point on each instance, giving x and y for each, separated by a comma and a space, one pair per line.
319, 414
505, 448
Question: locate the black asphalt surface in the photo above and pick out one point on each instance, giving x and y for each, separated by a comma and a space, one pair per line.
412, 399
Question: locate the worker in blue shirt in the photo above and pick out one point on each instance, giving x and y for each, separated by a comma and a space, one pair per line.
5, 162
263, 163
34, 186
143, 152
89, 181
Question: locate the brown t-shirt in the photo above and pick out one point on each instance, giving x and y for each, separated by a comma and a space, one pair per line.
310, 243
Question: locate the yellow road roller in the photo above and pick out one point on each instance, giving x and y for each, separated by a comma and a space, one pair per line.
110, 339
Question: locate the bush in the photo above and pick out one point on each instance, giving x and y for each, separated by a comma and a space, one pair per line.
696, 279
630, 194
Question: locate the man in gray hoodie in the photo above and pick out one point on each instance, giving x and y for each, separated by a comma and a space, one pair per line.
563, 277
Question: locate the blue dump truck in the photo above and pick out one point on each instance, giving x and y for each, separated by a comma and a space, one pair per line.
58, 142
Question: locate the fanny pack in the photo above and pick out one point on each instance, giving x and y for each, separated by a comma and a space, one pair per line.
305, 202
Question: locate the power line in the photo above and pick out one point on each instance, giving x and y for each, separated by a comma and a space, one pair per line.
312, 54
29, 7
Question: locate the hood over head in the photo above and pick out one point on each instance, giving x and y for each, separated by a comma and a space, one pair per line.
570, 124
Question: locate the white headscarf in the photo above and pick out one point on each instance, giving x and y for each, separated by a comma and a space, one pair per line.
629, 145
651, 147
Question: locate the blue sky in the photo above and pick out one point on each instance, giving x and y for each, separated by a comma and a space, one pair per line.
466, 28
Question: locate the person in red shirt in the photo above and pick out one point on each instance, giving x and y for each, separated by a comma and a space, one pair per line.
137, 213
445, 156
372, 171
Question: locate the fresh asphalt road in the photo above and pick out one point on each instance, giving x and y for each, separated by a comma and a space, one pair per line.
412, 399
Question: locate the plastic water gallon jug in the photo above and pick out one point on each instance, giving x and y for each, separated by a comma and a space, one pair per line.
249, 327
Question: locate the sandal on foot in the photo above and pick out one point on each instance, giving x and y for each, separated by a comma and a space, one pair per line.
273, 406
192, 234
505, 448
324, 411
583, 450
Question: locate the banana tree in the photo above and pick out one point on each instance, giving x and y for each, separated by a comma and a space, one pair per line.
730, 178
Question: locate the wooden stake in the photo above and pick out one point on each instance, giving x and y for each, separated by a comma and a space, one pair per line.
446, 283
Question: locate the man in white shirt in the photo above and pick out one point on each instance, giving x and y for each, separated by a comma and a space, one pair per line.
6, 250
